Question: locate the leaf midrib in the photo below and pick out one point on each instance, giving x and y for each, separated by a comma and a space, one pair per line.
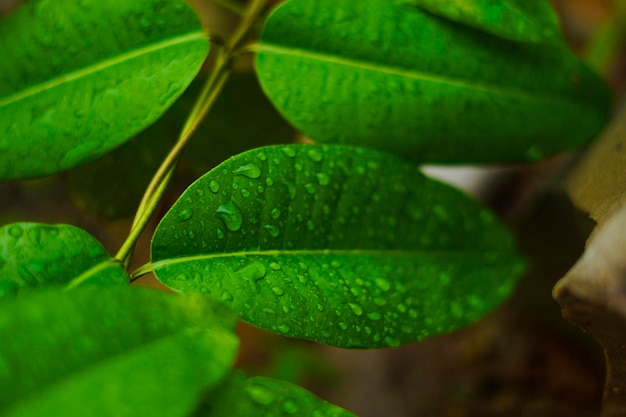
99, 66
404, 72
386, 253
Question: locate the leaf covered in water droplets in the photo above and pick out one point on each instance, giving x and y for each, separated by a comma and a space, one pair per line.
242, 397
101, 352
342, 245
519, 20
34, 255
387, 75
78, 78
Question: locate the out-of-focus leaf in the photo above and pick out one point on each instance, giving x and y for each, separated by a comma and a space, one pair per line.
34, 255
121, 352
342, 245
258, 396
79, 77
391, 76
519, 20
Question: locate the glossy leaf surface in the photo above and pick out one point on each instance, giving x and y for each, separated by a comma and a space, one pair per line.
518, 20
346, 246
78, 78
259, 396
111, 352
387, 75
34, 255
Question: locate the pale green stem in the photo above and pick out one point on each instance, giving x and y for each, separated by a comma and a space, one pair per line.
206, 99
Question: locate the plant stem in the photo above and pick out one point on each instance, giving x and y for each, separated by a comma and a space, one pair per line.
207, 97
231, 5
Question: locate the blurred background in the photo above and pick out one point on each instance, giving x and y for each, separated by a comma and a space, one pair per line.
521, 360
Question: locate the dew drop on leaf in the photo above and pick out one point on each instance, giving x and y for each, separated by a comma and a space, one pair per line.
289, 151
185, 214
272, 230
315, 155
251, 272
356, 309
275, 266
248, 170
275, 213
259, 394
16, 231
343, 325
230, 215
290, 407
283, 328
373, 316
322, 178
214, 186
278, 291
383, 284
310, 188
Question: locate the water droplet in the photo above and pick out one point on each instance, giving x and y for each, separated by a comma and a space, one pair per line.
291, 189
260, 394
269, 182
226, 296
382, 284
298, 166
275, 213
374, 316
319, 307
230, 215
16, 231
261, 156
310, 225
214, 186
315, 154
269, 311
272, 230
275, 266
289, 151
343, 325
283, 328
356, 309
401, 308
278, 291
290, 407
34, 235
249, 170
220, 233
392, 341
310, 188
200, 192
251, 272
322, 178
244, 192
185, 214
380, 301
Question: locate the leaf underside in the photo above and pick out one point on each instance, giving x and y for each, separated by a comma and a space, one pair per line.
342, 245
78, 78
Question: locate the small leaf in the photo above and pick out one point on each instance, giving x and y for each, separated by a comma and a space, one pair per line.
258, 396
390, 76
34, 255
111, 352
519, 20
78, 78
345, 246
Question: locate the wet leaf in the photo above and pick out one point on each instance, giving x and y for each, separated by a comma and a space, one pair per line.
111, 352
342, 245
34, 255
387, 75
78, 78
519, 20
243, 397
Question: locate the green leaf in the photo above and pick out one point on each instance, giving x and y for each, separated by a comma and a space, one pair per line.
111, 352
242, 397
519, 20
387, 75
346, 246
36, 255
78, 78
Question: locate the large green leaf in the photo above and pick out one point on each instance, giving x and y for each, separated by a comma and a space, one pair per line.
36, 255
342, 245
79, 77
111, 352
389, 75
519, 20
258, 396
